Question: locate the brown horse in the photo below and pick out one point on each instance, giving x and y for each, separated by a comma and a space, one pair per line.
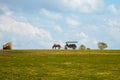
55, 46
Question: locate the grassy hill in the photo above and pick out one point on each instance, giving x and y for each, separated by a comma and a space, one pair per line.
60, 65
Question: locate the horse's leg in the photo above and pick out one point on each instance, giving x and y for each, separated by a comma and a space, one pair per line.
55, 48
65, 47
58, 47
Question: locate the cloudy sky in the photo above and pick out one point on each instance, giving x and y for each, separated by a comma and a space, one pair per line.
37, 24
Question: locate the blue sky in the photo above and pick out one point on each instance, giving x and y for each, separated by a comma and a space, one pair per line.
38, 24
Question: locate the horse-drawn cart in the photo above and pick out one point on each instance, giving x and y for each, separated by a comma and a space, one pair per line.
71, 44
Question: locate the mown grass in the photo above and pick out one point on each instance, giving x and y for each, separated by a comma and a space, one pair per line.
60, 65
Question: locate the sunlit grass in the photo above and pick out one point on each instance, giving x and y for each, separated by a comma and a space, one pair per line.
60, 65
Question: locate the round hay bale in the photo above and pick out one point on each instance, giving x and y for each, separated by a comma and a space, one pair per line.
7, 46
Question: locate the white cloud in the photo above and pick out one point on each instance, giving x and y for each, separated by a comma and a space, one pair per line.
114, 10
83, 35
50, 14
115, 32
58, 28
95, 42
114, 22
86, 6
84, 39
5, 10
72, 22
1, 35
42, 33
8, 24
20, 30
92, 27
114, 28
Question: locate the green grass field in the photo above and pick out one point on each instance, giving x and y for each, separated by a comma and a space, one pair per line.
60, 65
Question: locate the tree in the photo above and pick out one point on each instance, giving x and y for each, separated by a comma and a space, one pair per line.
102, 45
82, 47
